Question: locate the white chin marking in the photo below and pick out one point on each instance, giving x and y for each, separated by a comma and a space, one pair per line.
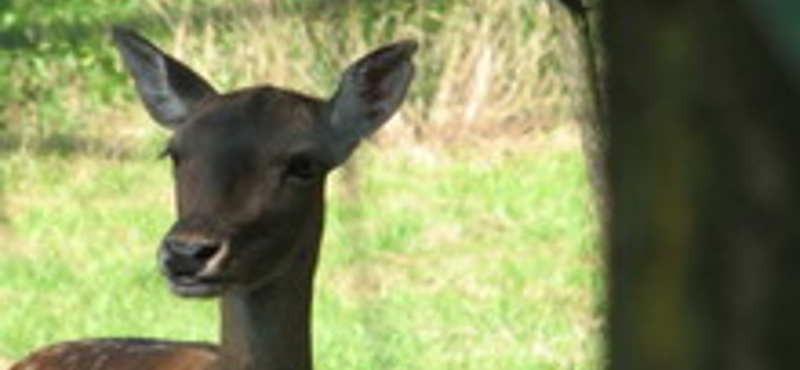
214, 265
196, 289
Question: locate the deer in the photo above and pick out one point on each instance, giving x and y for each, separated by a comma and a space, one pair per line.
250, 169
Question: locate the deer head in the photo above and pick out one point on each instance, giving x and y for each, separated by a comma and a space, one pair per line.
250, 165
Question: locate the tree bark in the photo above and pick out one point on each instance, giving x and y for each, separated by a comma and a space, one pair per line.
703, 166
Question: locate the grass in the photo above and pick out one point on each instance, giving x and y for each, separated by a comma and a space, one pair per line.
461, 238
438, 262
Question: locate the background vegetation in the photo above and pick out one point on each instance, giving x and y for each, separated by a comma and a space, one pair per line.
461, 238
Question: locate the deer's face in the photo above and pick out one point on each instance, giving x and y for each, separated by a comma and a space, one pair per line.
250, 166
249, 172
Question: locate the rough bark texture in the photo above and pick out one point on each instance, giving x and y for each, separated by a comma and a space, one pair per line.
704, 171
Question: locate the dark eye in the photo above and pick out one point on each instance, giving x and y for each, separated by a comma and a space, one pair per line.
302, 168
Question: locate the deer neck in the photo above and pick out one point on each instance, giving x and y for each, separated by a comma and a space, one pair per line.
269, 328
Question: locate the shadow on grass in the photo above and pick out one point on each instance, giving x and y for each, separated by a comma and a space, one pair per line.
64, 146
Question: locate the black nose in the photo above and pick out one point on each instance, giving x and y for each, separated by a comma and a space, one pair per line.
195, 250
188, 258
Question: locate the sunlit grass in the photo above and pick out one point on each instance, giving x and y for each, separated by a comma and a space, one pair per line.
467, 242
460, 262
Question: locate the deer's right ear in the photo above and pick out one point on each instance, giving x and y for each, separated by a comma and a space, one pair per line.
169, 89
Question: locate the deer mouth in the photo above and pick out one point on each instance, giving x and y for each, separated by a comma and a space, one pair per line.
193, 264
195, 286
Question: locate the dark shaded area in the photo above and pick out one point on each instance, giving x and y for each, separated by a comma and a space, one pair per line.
704, 174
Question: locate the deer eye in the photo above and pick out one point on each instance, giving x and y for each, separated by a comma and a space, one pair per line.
302, 168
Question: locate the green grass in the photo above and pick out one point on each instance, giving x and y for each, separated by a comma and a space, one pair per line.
437, 261
441, 258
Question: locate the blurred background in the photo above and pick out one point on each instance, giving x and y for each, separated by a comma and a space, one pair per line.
462, 237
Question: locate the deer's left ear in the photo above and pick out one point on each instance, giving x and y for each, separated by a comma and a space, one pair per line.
369, 93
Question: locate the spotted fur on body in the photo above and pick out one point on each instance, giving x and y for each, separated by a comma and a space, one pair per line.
121, 354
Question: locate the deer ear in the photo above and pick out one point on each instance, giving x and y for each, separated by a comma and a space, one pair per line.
369, 93
168, 88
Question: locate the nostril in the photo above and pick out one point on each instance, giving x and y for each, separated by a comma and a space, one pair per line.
206, 251
199, 251
181, 258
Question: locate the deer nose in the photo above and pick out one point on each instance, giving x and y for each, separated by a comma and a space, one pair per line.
188, 258
197, 250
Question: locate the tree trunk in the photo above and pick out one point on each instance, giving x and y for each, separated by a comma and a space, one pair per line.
704, 173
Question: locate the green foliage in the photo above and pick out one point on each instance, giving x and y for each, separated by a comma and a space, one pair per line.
62, 66
482, 63
466, 262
